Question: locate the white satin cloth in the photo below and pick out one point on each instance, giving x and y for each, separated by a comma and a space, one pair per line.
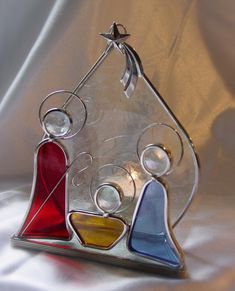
187, 49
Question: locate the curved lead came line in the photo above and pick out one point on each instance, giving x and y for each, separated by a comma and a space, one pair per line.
135, 68
138, 65
184, 133
133, 75
136, 59
130, 69
132, 81
127, 72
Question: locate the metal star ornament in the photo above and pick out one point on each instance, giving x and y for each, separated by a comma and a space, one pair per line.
114, 36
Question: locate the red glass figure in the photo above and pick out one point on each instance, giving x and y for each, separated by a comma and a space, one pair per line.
46, 217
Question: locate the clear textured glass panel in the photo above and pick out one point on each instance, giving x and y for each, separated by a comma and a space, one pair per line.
114, 125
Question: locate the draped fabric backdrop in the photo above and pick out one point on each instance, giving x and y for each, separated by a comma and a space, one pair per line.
187, 49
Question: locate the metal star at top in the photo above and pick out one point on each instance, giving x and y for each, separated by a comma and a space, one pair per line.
114, 36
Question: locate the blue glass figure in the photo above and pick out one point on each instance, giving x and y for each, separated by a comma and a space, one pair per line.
150, 234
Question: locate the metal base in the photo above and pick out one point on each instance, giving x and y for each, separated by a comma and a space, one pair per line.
118, 256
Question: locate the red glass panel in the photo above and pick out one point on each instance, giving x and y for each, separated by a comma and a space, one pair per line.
46, 217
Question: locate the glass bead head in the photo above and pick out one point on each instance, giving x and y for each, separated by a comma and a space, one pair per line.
57, 123
155, 160
108, 197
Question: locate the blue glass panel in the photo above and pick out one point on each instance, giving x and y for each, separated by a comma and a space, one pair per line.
150, 235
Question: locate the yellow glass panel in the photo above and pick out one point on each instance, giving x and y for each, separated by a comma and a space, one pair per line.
97, 231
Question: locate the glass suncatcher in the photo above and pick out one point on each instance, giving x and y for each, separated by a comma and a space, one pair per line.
115, 171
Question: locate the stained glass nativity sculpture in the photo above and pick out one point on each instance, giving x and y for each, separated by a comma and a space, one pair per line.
115, 171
